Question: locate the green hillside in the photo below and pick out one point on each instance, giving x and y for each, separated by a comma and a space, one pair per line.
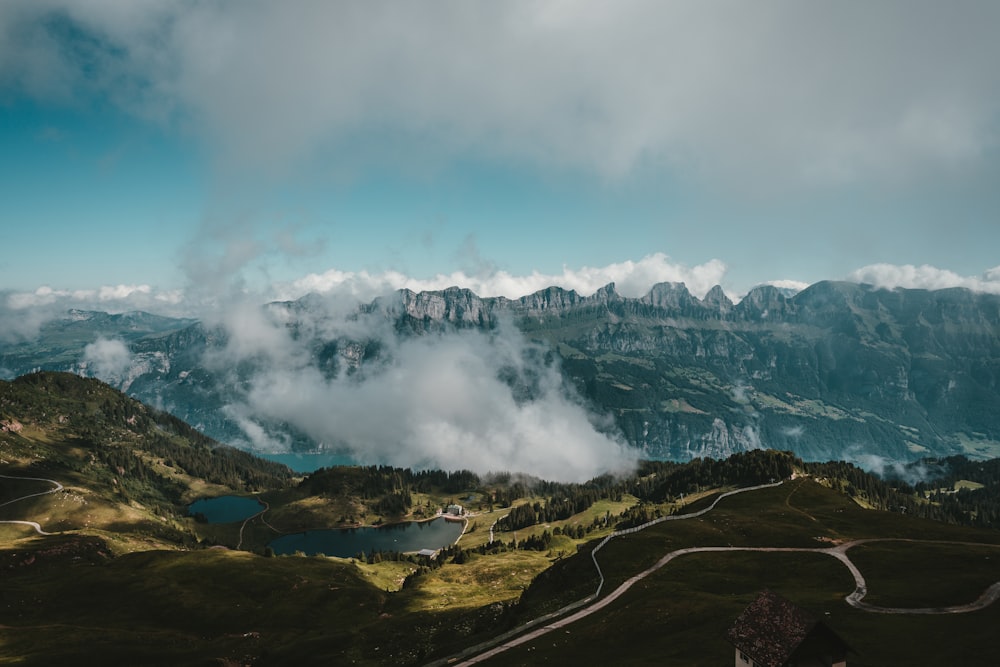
124, 577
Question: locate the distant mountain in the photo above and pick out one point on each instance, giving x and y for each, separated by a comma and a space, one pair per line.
837, 371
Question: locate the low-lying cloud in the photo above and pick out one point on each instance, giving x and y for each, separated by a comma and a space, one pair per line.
107, 358
23, 313
457, 400
925, 277
890, 469
631, 278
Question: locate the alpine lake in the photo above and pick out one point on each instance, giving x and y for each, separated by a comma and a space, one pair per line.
348, 542
226, 509
339, 542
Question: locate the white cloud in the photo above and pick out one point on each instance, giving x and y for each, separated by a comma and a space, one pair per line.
431, 402
107, 358
631, 278
27, 311
122, 292
925, 277
763, 94
107, 298
793, 285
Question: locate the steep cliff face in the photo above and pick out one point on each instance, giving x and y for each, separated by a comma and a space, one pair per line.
836, 371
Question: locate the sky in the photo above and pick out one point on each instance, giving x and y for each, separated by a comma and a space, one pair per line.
167, 154
202, 158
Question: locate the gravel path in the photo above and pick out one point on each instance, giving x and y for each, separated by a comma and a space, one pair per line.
57, 487
508, 641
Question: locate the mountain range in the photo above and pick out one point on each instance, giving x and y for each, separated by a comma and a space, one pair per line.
837, 371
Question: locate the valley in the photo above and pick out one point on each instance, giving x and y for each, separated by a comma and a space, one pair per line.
123, 575
838, 371
441, 334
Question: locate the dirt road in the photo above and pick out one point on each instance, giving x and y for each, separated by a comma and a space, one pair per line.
56, 488
989, 596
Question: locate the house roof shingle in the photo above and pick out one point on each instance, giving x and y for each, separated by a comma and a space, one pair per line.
770, 629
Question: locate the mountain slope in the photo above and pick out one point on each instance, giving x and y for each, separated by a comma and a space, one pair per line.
127, 468
836, 371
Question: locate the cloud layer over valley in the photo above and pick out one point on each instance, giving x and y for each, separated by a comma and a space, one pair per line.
449, 400
21, 313
199, 160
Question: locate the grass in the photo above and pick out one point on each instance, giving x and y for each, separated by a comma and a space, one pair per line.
75, 603
481, 581
387, 575
206, 597
909, 575
480, 528
679, 614
563, 546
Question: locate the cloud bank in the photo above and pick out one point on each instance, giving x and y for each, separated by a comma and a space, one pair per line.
925, 277
22, 313
107, 359
631, 278
459, 400
764, 94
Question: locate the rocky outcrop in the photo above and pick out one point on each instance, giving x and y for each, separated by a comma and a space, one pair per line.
839, 370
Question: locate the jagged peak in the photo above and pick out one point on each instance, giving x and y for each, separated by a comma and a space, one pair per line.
455, 289
764, 293
550, 298
606, 293
554, 289
829, 293
762, 301
717, 297
669, 295
668, 288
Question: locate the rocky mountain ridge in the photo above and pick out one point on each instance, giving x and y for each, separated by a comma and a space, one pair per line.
836, 371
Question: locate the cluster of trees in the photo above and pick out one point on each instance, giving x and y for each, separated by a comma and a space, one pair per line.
388, 489
444, 481
932, 497
364, 481
541, 542
117, 428
554, 509
561, 500
975, 506
379, 556
135, 479
638, 515
665, 481
395, 503
220, 465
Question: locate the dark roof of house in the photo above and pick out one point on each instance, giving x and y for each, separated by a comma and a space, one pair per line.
772, 628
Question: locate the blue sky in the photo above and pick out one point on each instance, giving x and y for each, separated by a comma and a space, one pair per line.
159, 153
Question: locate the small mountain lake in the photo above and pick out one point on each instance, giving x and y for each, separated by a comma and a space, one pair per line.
348, 542
225, 509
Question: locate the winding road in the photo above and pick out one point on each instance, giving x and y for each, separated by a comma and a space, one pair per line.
251, 518
57, 487
595, 603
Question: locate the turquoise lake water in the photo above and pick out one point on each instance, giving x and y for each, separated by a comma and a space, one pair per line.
348, 542
226, 509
